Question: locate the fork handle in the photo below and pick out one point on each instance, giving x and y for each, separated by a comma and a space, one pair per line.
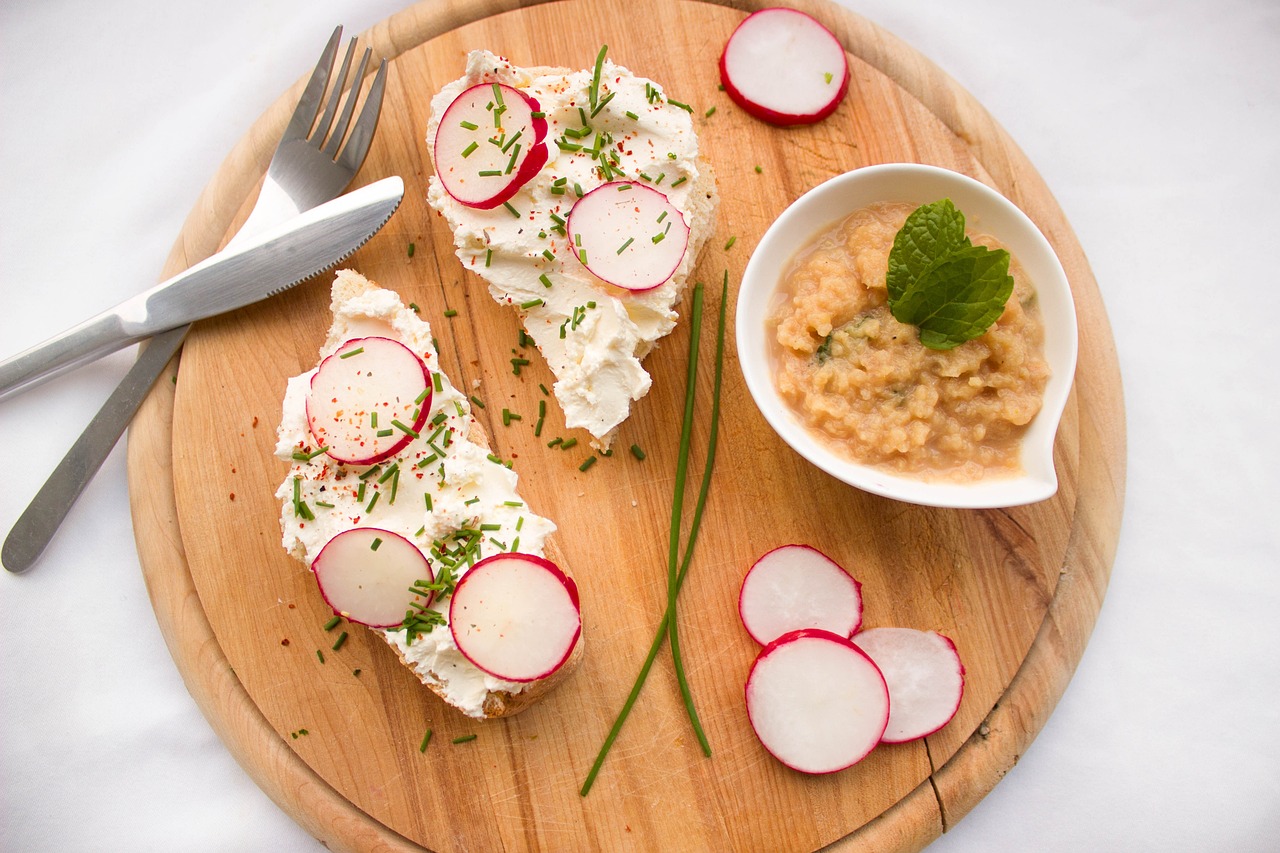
92, 339
36, 526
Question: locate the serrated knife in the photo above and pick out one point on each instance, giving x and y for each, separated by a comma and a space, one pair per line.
239, 275
302, 247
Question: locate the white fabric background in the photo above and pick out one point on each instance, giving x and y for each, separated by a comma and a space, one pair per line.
1156, 125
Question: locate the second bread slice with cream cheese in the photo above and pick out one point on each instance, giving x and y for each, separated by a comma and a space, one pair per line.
593, 335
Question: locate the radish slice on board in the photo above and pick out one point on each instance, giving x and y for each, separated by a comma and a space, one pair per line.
368, 399
816, 701
628, 234
783, 67
925, 678
515, 616
366, 575
490, 142
795, 587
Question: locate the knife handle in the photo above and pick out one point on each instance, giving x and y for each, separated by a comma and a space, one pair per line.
92, 339
36, 526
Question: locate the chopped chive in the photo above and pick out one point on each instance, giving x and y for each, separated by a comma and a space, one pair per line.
632, 116
488, 256
413, 306
373, 420
513, 503
303, 456
464, 739
594, 91
320, 655
709, 113
437, 383
568, 443
411, 250
582, 256
679, 181
426, 739
466, 152
374, 545
476, 401
490, 173
390, 472
759, 170
606, 99
342, 638
590, 460
577, 189
352, 352
555, 441
373, 501
512, 210
680, 104
324, 504
334, 622
532, 303
407, 430
383, 433
826, 76
469, 125
537, 114
637, 452
729, 243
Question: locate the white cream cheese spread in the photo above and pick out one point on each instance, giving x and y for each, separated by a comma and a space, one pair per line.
593, 334
447, 494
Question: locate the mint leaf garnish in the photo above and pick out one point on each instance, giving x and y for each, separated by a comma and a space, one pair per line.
951, 290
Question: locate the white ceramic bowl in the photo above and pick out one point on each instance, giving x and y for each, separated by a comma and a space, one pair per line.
985, 210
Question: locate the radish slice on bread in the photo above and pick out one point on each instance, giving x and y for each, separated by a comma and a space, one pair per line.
783, 67
816, 701
491, 142
925, 678
368, 399
515, 616
366, 574
795, 587
628, 234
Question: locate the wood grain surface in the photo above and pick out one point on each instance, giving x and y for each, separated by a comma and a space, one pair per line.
1018, 590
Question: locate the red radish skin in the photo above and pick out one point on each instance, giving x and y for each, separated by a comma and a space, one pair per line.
925, 678
365, 574
816, 701
784, 68
516, 616
474, 170
796, 586
628, 235
363, 378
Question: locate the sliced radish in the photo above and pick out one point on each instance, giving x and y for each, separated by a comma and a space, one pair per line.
366, 574
515, 616
925, 678
795, 587
628, 234
490, 142
368, 399
816, 701
783, 67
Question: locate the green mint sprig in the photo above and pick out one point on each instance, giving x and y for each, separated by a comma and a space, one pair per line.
939, 282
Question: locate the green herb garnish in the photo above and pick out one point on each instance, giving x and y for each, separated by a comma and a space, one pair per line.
939, 282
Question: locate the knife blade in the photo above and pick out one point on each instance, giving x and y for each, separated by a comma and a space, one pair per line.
239, 275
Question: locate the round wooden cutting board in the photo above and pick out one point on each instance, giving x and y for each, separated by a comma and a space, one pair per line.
336, 742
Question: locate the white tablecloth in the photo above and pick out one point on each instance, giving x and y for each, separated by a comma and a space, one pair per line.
1157, 126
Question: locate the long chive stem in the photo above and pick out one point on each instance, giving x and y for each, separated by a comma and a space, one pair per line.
663, 630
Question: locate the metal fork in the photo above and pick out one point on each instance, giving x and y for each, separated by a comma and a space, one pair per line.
313, 163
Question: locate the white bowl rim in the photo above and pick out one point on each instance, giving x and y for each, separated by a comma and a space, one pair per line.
986, 210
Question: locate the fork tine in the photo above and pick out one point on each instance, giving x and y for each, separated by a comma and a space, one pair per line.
340, 129
353, 154
304, 115
331, 108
